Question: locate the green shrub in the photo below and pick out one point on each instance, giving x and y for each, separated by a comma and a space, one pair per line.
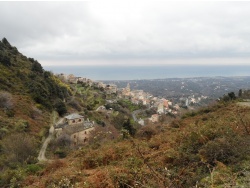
22, 125
60, 153
60, 107
33, 168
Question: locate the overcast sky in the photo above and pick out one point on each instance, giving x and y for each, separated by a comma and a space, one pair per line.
131, 33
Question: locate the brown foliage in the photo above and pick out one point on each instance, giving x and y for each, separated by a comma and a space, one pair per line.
103, 134
189, 153
146, 132
19, 147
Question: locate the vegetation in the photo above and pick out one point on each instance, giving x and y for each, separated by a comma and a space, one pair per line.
205, 148
19, 74
27, 95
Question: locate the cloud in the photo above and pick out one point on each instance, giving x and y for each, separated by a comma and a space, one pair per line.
95, 31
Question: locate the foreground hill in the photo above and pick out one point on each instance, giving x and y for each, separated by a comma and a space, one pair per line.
208, 148
28, 95
31, 99
22, 75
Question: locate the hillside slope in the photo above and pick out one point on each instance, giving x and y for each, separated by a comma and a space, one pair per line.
208, 148
22, 75
28, 95
25, 88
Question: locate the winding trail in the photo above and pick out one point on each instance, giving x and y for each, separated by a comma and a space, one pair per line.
134, 114
41, 156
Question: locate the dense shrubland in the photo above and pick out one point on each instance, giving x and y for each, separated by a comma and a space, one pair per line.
28, 94
207, 149
22, 75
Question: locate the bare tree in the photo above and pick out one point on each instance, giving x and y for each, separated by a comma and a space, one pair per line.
19, 147
6, 100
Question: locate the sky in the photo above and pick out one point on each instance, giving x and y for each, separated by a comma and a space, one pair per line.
129, 32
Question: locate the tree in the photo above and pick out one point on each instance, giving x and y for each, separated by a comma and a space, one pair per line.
5, 60
37, 67
229, 97
129, 127
60, 107
6, 42
232, 95
240, 93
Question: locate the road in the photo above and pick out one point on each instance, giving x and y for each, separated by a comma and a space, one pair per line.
41, 156
134, 114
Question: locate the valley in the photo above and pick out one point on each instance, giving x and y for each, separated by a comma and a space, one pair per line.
59, 130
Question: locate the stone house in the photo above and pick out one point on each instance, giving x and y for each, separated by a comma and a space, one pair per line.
62, 77
81, 137
82, 80
161, 109
111, 88
89, 82
154, 118
141, 122
72, 79
101, 85
76, 127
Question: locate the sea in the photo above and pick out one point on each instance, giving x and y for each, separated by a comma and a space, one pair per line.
151, 72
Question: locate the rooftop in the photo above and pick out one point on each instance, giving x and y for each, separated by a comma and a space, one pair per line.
73, 116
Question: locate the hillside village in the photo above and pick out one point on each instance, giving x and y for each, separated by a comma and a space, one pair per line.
137, 97
79, 127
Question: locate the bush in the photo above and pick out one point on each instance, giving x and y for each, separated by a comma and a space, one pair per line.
22, 125
226, 150
18, 148
5, 60
12, 178
60, 153
60, 107
36, 67
146, 132
10, 113
33, 168
35, 113
75, 104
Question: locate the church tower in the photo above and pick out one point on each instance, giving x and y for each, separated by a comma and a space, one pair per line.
128, 87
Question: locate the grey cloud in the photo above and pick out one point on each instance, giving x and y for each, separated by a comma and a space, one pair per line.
54, 31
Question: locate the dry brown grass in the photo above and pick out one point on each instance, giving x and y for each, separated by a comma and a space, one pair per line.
171, 158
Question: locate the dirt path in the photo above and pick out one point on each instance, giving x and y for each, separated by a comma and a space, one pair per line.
134, 114
41, 156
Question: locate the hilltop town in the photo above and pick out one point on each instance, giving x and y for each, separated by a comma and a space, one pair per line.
161, 106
